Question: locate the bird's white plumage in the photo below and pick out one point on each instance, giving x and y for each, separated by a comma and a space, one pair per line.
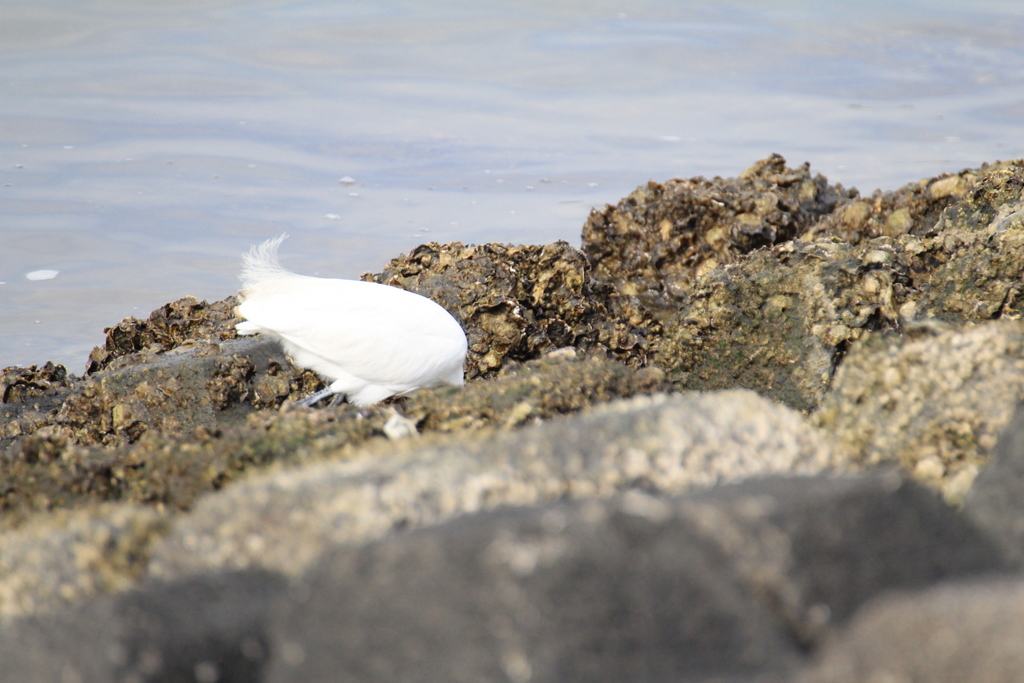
370, 341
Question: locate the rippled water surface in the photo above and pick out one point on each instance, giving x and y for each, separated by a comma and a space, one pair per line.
145, 145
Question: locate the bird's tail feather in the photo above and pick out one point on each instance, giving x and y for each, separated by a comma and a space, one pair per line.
261, 263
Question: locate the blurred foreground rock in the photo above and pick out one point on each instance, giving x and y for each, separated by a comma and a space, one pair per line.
956, 632
756, 429
661, 444
716, 586
725, 584
996, 499
209, 628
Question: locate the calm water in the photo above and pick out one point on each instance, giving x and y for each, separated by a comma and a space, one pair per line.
145, 145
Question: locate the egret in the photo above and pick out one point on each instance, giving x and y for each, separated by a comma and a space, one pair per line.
368, 341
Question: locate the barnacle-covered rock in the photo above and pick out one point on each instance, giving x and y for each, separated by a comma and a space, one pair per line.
166, 453
27, 395
970, 265
778, 320
20, 385
522, 393
654, 243
180, 322
516, 302
910, 210
933, 400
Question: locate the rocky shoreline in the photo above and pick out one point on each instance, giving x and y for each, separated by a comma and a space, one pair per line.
757, 429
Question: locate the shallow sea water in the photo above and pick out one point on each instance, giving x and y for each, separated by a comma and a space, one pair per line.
145, 145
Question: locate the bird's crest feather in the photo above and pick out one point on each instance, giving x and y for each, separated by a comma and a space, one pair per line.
261, 263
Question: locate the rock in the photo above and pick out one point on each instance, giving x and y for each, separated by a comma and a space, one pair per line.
662, 443
29, 398
143, 433
948, 634
209, 629
980, 269
655, 242
22, 385
777, 321
933, 400
174, 391
67, 557
516, 303
727, 584
814, 549
179, 323
996, 500
716, 586
584, 592
911, 210
190, 444
559, 383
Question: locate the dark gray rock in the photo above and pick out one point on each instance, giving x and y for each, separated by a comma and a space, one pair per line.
206, 629
732, 584
724, 585
949, 634
996, 501
582, 592
815, 549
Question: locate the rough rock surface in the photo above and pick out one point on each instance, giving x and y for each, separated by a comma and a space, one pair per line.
209, 629
63, 558
183, 322
189, 445
728, 584
635, 589
655, 242
108, 437
970, 266
178, 389
779, 320
953, 633
933, 400
996, 499
892, 321
21, 385
661, 443
789, 541
516, 302
911, 210
640, 595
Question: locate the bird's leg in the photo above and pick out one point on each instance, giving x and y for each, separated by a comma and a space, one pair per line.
314, 398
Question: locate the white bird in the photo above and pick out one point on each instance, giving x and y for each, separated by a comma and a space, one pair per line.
368, 341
